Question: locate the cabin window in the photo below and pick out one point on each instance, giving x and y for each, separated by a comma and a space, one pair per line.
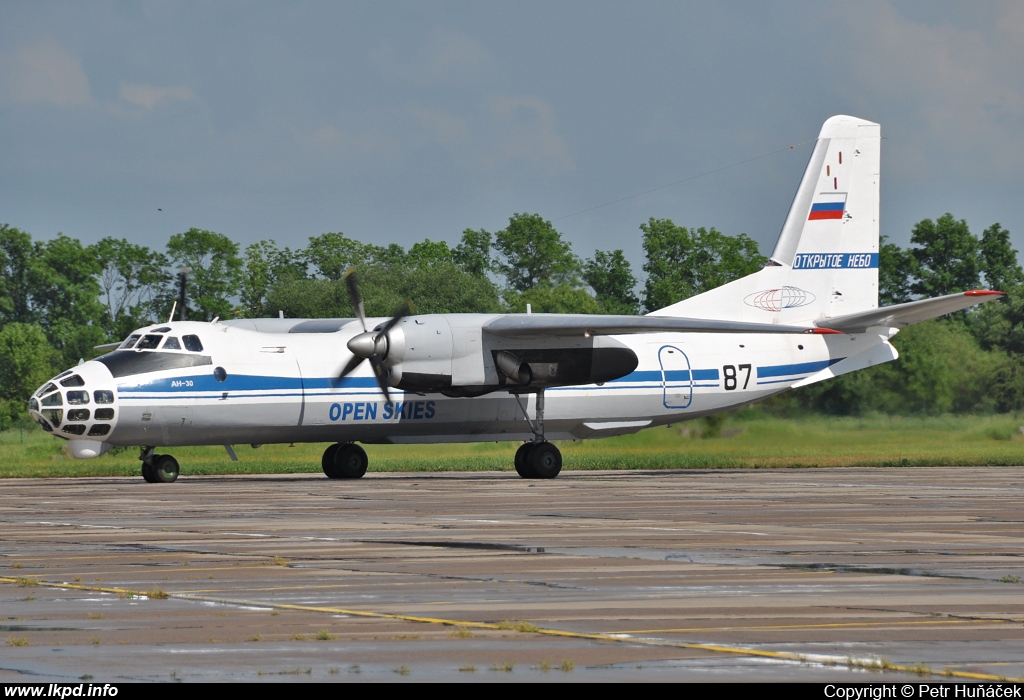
103, 396
73, 429
130, 342
47, 389
54, 415
73, 380
149, 342
78, 398
99, 430
172, 343
104, 414
192, 343
52, 400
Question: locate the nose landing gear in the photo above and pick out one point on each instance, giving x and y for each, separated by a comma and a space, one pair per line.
158, 469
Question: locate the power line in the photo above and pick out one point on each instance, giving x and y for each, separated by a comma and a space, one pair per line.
685, 179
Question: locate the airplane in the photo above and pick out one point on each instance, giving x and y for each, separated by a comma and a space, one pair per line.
809, 315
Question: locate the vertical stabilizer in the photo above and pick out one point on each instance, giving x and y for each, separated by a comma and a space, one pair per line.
825, 262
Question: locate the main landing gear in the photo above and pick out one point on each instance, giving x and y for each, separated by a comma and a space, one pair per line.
344, 461
158, 469
538, 459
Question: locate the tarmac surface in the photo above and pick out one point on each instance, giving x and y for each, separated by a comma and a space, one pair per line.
846, 575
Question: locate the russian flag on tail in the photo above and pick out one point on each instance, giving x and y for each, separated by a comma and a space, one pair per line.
827, 210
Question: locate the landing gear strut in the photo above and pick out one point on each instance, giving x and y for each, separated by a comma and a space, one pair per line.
344, 461
538, 459
158, 469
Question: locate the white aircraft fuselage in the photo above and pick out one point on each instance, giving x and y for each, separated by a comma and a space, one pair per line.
811, 314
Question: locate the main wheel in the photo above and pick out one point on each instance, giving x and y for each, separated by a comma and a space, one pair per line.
327, 461
147, 473
350, 462
522, 467
544, 460
164, 469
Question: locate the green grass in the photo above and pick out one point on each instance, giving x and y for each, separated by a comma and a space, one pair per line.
745, 441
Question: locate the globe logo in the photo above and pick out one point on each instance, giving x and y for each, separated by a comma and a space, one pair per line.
779, 299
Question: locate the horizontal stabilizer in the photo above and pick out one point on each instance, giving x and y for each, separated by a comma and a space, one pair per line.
877, 354
550, 325
903, 315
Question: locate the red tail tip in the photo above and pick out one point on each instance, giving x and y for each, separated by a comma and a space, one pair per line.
823, 331
981, 292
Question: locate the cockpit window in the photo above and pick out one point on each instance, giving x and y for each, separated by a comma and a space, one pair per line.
172, 343
53, 400
149, 342
192, 343
129, 342
47, 389
73, 380
77, 398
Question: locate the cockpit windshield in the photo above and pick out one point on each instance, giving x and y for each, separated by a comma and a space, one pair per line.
130, 342
149, 342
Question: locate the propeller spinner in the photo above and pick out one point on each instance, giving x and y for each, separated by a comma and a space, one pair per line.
370, 345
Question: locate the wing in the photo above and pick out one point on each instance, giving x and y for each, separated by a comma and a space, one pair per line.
553, 325
903, 315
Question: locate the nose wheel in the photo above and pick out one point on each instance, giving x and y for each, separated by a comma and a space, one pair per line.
344, 461
158, 469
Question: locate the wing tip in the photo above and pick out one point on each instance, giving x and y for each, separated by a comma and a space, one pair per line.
982, 293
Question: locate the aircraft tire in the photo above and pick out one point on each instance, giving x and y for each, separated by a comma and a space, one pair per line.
164, 469
327, 462
522, 467
544, 460
147, 473
350, 462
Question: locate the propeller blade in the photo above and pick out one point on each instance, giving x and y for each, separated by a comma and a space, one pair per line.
404, 310
350, 367
355, 296
378, 372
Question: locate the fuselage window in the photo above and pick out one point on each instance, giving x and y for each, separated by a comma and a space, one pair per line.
73, 429
78, 414
172, 343
161, 329
98, 430
52, 400
130, 342
150, 342
192, 343
104, 414
47, 389
103, 396
78, 398
73, 380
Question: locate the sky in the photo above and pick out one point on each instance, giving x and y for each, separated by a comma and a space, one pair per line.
400, 121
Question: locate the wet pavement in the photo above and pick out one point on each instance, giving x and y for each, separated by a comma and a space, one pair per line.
807, 575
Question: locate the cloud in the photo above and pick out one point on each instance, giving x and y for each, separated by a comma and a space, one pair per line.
447, 57
149, 96
45, 72
525, 131
958, 90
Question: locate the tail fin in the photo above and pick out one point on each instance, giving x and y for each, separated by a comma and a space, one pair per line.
825, 262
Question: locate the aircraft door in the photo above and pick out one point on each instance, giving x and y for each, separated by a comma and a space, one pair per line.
676, 377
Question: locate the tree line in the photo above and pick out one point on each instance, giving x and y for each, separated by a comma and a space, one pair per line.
60, 298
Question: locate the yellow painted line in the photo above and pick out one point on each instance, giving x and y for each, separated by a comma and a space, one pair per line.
527, 628
825, 625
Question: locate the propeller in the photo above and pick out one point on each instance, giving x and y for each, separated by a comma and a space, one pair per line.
370, 345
